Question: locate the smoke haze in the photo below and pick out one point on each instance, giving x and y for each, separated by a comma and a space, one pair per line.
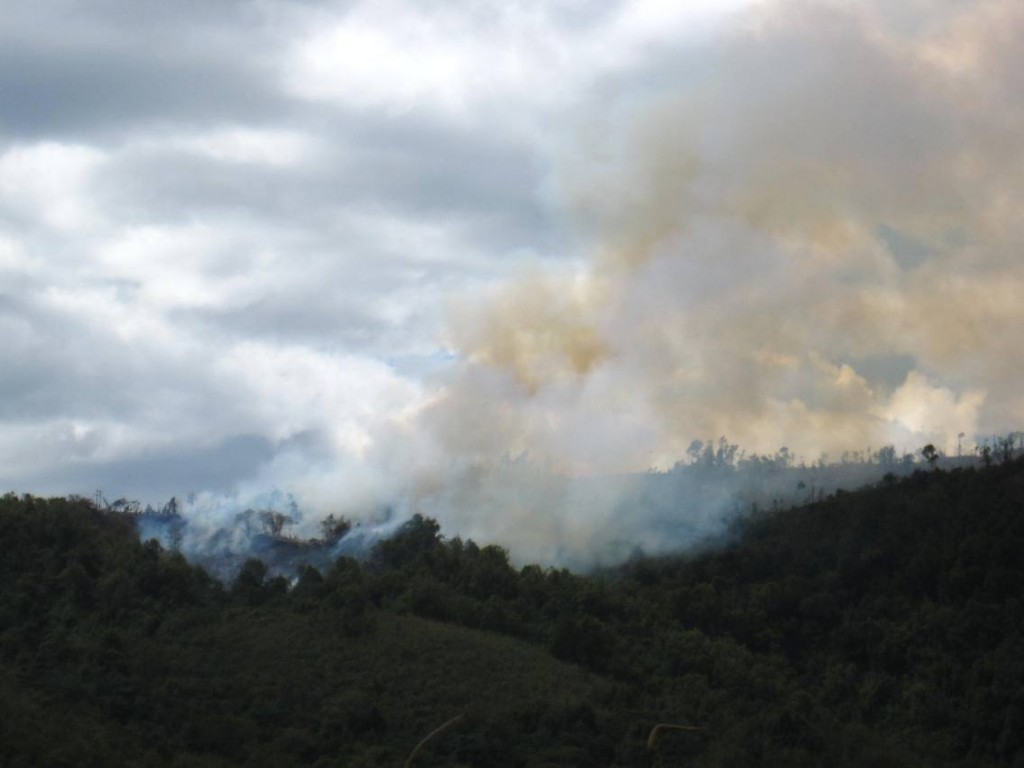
798, 226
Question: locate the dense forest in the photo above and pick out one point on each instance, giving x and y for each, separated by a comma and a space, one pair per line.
881, 627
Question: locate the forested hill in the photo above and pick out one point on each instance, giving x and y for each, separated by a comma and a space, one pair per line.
883, 627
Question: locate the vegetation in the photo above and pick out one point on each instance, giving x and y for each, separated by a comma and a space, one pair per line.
883, 627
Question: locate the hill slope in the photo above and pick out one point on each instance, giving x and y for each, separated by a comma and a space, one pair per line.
882, 627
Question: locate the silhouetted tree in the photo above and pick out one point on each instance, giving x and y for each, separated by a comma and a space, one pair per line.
334, 527
887, 457
274, 522
931, 455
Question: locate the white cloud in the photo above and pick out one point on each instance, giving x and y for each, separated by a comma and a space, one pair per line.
497, 59
247, 146
194, 265
48, 182
645, 22
397, 57
13, 256
290, 389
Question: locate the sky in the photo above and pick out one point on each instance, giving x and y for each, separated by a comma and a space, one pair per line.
369, 251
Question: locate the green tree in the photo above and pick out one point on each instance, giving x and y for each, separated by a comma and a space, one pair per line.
251, 583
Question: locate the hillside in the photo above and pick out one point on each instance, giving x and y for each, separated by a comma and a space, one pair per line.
881, 627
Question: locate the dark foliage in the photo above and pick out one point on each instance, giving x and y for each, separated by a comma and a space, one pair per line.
883, 627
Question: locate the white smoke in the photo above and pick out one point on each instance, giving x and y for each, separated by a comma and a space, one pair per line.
813, 242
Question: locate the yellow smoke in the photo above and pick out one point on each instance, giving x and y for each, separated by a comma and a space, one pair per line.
817, 245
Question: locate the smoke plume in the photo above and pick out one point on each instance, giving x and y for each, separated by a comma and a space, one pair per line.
811, 240
814, 245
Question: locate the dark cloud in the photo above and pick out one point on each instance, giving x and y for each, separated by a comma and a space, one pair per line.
404, 167
76, 95
156, 475
112, 69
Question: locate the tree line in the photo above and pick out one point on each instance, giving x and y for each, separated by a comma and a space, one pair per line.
877, 627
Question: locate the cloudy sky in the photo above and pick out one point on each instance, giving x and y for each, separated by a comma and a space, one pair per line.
343, 247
